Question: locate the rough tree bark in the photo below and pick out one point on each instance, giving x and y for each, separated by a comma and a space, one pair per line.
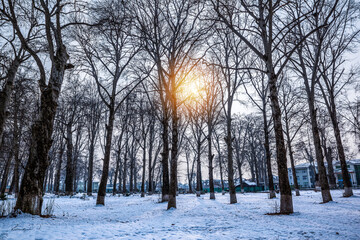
228, 141
286, 205
174, 148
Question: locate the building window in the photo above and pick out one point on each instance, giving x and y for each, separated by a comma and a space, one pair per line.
304, 177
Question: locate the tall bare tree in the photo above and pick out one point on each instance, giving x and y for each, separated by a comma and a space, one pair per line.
50, 23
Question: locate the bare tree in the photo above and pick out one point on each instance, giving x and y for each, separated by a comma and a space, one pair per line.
229, 55
293, 118
260, 86
108, 49
270, 21
307, 66
159, 25
339, 38
31, 189
212, 105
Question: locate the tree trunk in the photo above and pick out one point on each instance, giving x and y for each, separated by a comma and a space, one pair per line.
268, 155
325, 189
105, 173
174, 150
15, 181
69, 179
16, 175
135, 176
116, 173
120, 177
188, 172
30, 195
151, 144
58, 170
131, 187
210, 157
256, 168
228, 141
329, 160
221, 176
165, 160
124, 175
293, 170
143, 171
198, 168
286, 205
91, 167
75, 173
344, 171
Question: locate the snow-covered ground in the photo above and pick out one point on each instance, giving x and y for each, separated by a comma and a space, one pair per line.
195, 218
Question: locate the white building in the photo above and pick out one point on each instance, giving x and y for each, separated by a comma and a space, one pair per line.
305, 173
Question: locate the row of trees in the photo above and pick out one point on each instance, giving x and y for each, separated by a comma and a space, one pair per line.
139, 83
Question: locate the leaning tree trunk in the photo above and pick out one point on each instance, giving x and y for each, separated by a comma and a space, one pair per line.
30, 195
105, 173
345, 173
286, 205
325, 189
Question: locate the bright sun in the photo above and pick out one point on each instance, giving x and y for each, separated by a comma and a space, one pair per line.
192, 87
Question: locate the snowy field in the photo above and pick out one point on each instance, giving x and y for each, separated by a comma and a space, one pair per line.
195, 218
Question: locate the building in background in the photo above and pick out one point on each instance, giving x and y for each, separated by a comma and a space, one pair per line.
306, 172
